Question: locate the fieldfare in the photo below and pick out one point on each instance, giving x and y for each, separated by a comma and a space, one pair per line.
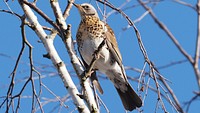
91, 33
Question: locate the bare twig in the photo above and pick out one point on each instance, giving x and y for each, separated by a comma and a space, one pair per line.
68, 8
197, 51
163, 27
9, 98
175, 41
6, 2
142, 48
58, 98
153, 74
12, 13
197, 95
95, 58
177, 103
12, 82
142, 74
185, 4
32, 69
172, 64
130, 22
114, 11
35, 8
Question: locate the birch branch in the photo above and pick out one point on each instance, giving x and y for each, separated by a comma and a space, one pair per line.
66, 37
58, 63
67, 9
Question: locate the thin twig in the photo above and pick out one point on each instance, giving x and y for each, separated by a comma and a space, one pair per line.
68, 8
197, 95
12, 82
143, 50
61, 102
94, 59
167, 31
35, 8
197, 49
153, 74
12, 13
185, 4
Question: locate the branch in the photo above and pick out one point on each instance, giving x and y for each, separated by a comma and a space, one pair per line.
130, 22
32, 69
193, 62
68, 8
67, 39
197, 52
9, 100
153, 70
58, 63
166, 30
57, 98
12, 13
33, 6
177, 103
94, 59
153, 75
185, 4
197, 95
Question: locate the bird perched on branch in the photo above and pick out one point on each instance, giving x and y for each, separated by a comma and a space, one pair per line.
91, 33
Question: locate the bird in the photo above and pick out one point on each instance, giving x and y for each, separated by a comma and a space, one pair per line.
90, 34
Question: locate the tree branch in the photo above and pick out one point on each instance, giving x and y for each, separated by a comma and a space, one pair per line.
67, 39
166, 30
142, 48
197, 51
193, 62
58, 63
185, 4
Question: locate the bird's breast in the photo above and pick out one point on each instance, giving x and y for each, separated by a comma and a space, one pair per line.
89, 46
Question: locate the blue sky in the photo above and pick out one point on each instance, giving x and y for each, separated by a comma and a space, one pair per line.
181, 21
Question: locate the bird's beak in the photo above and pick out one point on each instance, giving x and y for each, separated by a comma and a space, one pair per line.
76, 5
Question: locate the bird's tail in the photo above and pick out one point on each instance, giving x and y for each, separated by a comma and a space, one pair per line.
129, 98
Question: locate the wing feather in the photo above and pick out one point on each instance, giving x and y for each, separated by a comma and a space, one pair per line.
113, 48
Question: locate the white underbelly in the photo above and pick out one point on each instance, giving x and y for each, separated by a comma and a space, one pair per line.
112, 69
88, 49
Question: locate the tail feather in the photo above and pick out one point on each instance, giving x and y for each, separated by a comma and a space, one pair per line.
129, 98
96, 82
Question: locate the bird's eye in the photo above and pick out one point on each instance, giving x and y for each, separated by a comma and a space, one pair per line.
86, 7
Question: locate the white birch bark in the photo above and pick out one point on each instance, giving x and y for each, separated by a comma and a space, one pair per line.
88, 92
56, 60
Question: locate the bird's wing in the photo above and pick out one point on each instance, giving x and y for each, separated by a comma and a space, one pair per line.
112, 44
113, 48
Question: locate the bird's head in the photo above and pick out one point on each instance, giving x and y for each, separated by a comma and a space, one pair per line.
86, 9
